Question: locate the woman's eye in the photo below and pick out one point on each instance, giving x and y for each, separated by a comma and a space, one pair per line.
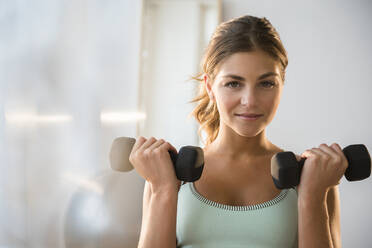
268, 84
232, 84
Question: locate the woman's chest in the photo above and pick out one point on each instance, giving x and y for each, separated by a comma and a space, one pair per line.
236, 193
236, 187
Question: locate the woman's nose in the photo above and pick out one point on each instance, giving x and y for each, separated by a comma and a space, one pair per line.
248, 98
244, 100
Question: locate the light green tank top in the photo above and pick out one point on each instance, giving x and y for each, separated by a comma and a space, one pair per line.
202, 223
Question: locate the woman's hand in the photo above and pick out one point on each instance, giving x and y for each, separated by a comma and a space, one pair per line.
323, 169
152, 161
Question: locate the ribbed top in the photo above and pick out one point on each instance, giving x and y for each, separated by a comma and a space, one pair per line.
269, 203
208, 224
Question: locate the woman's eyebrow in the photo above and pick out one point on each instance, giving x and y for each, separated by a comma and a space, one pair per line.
265, 75
268, 74
236, 77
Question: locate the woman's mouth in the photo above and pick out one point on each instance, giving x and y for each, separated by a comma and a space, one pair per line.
249, 117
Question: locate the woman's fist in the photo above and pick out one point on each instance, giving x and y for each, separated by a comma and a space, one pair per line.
323, 168
152, 161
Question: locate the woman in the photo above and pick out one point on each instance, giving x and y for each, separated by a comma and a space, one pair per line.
235, 202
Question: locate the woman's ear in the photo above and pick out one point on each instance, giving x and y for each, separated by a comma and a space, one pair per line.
208, 86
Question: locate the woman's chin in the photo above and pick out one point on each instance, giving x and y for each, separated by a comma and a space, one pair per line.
248, 133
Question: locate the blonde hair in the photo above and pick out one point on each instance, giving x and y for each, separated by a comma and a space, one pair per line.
242, 34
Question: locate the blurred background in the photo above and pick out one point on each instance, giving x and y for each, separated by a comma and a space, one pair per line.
75, 74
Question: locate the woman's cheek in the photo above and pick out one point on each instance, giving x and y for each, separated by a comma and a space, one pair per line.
272, 107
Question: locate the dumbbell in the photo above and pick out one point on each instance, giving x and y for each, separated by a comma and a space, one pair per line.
286, 170
188, 163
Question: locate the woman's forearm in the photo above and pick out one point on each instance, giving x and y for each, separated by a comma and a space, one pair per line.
333, 207
159, 223
313, 222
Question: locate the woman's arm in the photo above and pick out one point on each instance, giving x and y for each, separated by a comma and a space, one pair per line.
319, 224
333, 206
158, 217
313, 222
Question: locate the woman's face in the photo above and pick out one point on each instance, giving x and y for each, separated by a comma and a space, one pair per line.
246, 83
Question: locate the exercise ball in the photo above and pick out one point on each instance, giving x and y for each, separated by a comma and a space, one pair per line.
105, 211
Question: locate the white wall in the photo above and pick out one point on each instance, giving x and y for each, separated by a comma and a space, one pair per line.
327, 96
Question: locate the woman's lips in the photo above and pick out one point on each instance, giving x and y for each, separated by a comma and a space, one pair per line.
249, 117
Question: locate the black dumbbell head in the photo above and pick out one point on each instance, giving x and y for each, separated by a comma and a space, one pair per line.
285, 170
190, 163
359, 162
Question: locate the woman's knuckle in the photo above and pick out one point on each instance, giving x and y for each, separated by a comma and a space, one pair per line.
165, 145
134, 156
337, 159
345, 165
146, 153
157, 151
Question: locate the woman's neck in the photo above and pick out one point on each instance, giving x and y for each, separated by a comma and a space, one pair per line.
231, 145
